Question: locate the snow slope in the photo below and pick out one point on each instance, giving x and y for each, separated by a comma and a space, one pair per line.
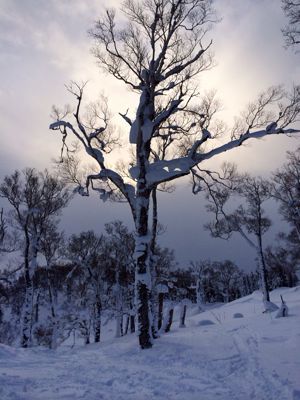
217, 356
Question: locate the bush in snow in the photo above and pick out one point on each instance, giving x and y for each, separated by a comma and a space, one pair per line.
283, 310
205, 322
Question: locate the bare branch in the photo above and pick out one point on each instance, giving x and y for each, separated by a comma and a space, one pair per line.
291, 32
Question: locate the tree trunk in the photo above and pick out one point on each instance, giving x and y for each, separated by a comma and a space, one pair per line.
226, 296
54, 336
143, 275
169, 318
119, 324
199, 296
132, 319
154, 294
27, 315
263, 272
97, 321
86, 331
126, 324
37, 308
119, 308
143, 314
160, 310
132, 323
182, 315
154, 312
28, 302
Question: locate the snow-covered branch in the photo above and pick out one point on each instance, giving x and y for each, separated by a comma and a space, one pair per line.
168, 170
238, 142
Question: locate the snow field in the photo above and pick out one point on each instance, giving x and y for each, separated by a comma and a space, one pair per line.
252, 357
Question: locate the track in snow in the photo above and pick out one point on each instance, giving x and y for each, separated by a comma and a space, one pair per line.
193, 364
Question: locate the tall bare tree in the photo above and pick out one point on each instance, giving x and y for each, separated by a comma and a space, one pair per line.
88, 252
286, 190
35, 199
248, 219
158, 53
51, 244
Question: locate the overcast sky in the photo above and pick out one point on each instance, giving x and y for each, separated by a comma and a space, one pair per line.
44, 44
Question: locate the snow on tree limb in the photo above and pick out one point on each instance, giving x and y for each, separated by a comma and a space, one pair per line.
238, 142
167, 170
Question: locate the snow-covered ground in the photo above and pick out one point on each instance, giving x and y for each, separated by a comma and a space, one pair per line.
217, 356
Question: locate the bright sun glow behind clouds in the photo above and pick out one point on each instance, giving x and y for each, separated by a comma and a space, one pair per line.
46, 45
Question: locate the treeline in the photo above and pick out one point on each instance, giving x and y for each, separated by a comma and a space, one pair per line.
89, 281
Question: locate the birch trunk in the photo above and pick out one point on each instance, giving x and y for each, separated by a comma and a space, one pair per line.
268, 305
27, 315
262, 273
142, 274
98, 310
126, 324
199, 295
154, 293
183, 308
154, 311
160, 310
54, 336
132, 318
119, 310
27, 311
169, 318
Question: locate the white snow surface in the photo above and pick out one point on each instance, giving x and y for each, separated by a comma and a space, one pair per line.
254, 357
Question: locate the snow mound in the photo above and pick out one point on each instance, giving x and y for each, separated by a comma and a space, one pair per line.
8, 352
238, 315
205, 322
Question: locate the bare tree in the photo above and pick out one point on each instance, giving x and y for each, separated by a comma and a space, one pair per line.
122, 250
199, 271
157, 54
88, 253
291, 32
35, 200
51, 243
286, 190
8, 239
247, 219
227, 277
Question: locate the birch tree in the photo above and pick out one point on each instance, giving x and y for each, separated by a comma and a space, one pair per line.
248, 219
158, 52
8, 239
51, 243
88, 252
286, 191
199, 271
121, 255
34, 199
